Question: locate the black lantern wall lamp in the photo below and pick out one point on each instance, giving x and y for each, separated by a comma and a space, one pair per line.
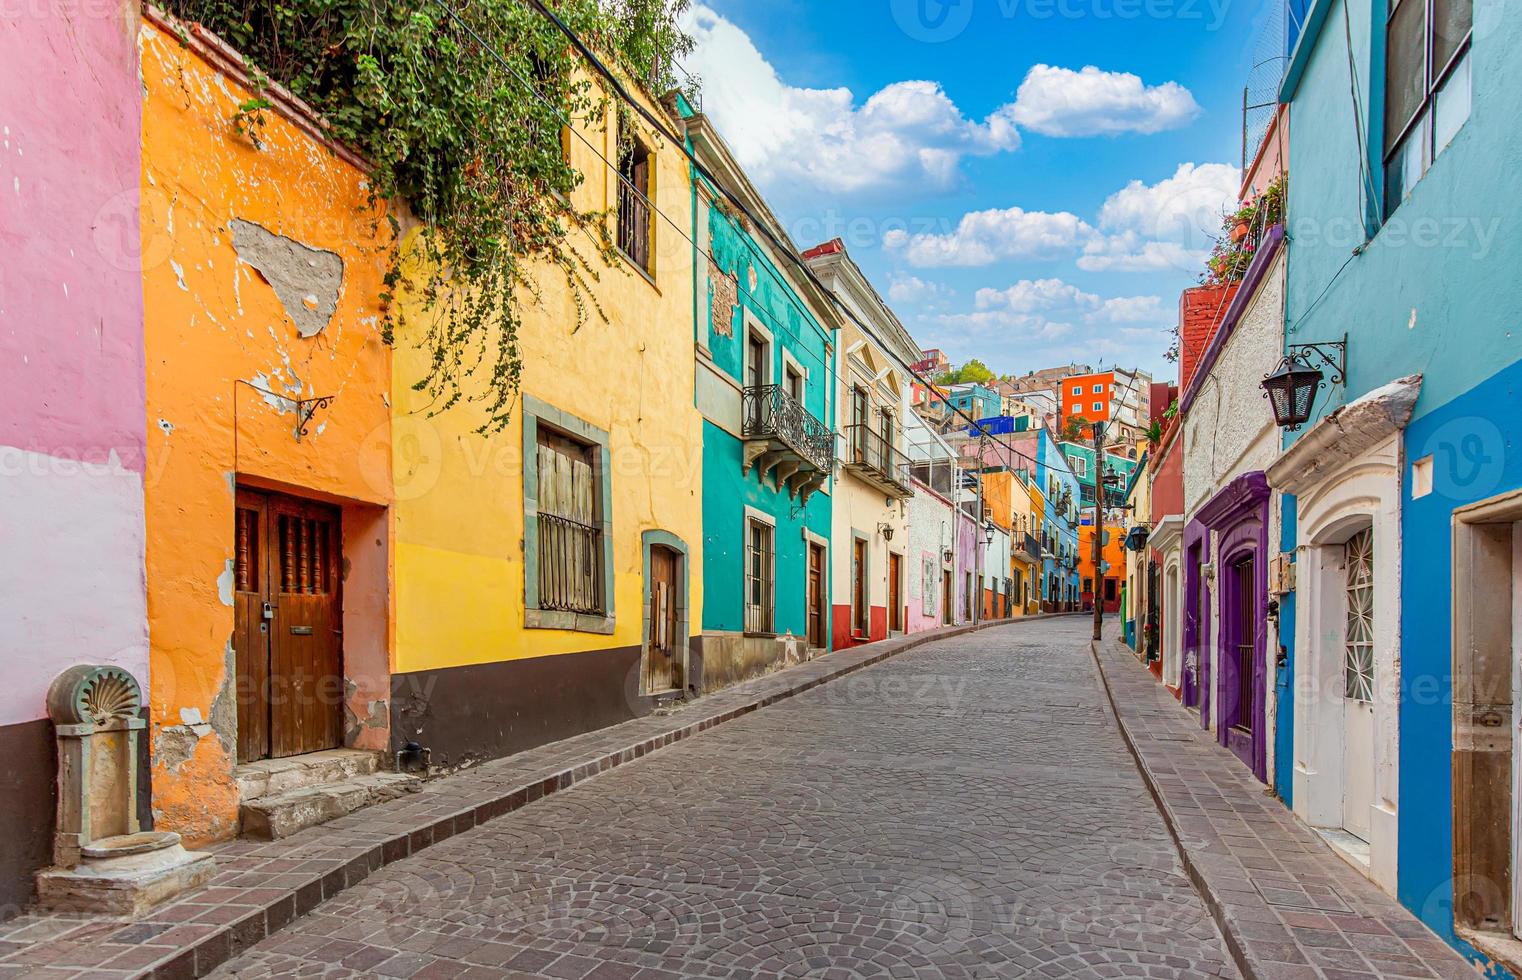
1291, 387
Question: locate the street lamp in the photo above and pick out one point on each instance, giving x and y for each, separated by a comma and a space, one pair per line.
988, 535
1291, 388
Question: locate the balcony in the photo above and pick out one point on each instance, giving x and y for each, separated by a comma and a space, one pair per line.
785, 442
874, 459
1027, 548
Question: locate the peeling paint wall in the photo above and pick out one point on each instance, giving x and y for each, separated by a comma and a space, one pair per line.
71, 388
262, 265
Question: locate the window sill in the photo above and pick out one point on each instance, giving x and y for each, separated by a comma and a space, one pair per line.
640, 270
756, 634
554, 619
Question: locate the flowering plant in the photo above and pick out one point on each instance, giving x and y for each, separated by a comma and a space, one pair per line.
1242, 231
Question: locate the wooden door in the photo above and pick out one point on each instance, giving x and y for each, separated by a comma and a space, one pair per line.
946, 599
895, 600
288, 626
816, 596
664, 659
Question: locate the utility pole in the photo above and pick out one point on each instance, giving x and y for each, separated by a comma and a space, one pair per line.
1099, 465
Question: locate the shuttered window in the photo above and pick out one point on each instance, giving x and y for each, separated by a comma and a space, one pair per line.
570, 532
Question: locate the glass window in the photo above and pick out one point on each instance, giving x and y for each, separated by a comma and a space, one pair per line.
1427, 87
1358, 643
759, 611
1098, 389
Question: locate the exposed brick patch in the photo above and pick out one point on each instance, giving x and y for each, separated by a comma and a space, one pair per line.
1200, 312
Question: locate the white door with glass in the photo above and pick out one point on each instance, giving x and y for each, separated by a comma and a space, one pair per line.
1358, 686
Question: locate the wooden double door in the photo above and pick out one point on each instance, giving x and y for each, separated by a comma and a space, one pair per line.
288, 629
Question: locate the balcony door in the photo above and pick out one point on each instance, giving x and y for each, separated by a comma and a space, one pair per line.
757, 360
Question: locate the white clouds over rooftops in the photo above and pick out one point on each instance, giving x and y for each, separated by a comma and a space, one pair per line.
1141, 227
907, 134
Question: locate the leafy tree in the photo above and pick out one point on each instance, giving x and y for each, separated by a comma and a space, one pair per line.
459, 105
973, 372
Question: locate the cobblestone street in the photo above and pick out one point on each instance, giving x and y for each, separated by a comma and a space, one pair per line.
967, 809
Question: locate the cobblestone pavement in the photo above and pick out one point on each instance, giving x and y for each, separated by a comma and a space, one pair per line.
964, 810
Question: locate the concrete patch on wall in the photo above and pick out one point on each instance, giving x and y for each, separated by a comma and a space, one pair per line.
305, 279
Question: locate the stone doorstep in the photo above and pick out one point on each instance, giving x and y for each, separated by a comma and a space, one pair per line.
272, 776
278, 815
232, 914
1217, 874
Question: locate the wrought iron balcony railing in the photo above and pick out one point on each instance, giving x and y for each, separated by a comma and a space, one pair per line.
771, 415
874, 458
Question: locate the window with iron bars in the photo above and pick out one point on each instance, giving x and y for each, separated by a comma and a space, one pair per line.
570, 528
760, 608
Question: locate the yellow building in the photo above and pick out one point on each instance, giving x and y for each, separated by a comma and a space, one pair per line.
543, 583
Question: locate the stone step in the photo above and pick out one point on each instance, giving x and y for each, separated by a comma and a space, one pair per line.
278, 815
271, 777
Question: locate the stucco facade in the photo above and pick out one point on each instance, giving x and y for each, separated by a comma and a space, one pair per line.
494, 654
72, 461
1428, 292
868, 505
232, 347
1226, 447
769, 606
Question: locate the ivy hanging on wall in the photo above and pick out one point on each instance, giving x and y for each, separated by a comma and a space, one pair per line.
470, 140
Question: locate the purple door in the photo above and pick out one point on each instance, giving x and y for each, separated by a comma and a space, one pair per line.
1243, 676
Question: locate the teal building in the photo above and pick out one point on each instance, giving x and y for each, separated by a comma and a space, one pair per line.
764, 342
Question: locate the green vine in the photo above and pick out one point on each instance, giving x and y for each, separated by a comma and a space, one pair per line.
470, 142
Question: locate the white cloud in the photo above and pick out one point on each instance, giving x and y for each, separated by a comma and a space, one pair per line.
1090, 102
985, 237
1167, 225
1128, 252
1054, 298
907, 133
913, 289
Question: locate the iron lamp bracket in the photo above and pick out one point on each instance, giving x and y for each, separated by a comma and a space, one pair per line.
1332, 355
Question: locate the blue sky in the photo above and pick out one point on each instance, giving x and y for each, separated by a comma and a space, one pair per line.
1029, 181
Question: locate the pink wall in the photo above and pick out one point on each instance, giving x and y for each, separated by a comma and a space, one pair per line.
71, 354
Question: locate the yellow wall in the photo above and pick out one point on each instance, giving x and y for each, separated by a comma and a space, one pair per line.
210, 320
460, 501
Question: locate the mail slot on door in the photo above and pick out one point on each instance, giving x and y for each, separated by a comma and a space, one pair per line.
301, 631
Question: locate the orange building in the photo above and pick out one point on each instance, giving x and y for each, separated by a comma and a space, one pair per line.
1087, 396
268, 497
1113, 554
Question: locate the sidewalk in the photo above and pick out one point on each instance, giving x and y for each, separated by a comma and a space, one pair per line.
261, 887
1289, 907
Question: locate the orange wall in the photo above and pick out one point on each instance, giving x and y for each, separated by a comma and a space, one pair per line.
998, 498
1114, 552
1082, 406
211, 319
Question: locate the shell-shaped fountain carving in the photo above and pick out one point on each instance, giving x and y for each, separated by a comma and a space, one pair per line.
95, 695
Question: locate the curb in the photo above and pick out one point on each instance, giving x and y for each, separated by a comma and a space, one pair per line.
1202, 887
265, 918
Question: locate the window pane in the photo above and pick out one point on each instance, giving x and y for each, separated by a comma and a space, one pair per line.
1451, 20
1404, 169
1451, 107
1405, 67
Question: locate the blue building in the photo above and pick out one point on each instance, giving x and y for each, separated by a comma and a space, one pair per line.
1060, 491
1405, 518
978, 401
